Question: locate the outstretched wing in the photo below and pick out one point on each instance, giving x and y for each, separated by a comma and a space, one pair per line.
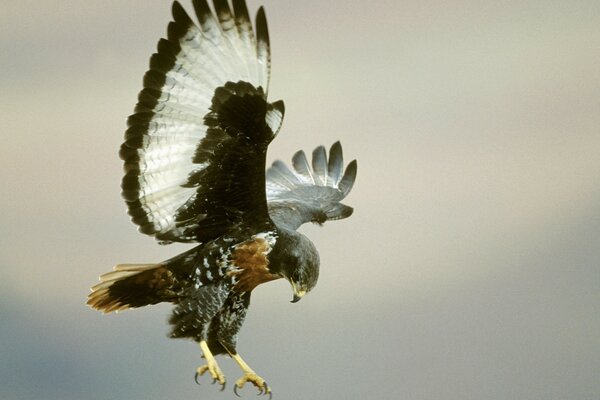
195, 147
310, 194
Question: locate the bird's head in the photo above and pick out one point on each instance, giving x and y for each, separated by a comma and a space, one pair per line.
299, 263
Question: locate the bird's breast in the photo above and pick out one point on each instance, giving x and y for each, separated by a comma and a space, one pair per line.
250, 264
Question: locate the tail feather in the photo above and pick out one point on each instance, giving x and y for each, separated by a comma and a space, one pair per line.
132, 286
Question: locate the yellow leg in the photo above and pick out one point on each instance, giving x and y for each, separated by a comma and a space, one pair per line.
211, 366
250, 376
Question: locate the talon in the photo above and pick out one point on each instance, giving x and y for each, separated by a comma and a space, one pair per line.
215, 372
210, 366
256, 380
250, 376
235, 388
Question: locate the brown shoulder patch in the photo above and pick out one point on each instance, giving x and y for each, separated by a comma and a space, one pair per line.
250, 260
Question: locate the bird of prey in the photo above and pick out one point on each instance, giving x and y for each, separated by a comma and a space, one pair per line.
194, 160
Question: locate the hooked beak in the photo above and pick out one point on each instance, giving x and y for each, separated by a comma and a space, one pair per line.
298, 294
296, 298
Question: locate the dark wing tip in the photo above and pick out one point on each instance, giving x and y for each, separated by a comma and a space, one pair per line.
349, 177
176, 8
336, 163
241, 11
279, 105
336, 149
346, 211
222, 10
262, 31
180, 25
202, 10
179, 14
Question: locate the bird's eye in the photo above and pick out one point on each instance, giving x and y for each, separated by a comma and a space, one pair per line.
296, 276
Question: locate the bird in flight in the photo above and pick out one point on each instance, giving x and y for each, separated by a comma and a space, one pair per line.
194, 160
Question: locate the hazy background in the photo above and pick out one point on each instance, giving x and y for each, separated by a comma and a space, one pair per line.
468, 271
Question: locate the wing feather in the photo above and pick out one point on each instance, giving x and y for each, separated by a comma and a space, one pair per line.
263, 48
319, 163
166, 182
283, 176
310, 194
348, 179
302, 167
336, 165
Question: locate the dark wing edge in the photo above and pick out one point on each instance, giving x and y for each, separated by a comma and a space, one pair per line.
310, 192
170, 150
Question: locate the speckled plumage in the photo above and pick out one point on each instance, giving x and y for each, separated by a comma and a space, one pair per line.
194, 159
212, 304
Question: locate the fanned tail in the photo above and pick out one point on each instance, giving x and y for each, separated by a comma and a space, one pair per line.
132, 286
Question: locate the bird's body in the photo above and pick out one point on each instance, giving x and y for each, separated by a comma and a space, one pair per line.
194, 156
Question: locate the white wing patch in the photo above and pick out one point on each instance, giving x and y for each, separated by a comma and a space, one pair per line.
168, 125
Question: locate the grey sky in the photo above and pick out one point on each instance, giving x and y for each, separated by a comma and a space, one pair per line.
470, 269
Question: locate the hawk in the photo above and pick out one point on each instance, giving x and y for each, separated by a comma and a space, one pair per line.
194, 160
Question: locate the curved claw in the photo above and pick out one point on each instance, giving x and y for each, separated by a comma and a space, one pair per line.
264, 390
215, 380
217, 375
261, 391
256, 380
